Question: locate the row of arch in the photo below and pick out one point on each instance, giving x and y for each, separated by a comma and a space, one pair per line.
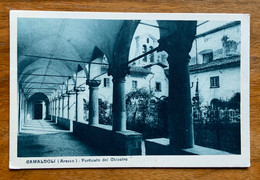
52, 53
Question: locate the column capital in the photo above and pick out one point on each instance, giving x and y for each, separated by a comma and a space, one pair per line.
93, 83
119, 80
79, 89
119, 71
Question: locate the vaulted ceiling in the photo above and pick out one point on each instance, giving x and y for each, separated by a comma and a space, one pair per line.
51, 51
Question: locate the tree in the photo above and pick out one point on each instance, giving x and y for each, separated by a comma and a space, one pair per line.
104, 116
146, 113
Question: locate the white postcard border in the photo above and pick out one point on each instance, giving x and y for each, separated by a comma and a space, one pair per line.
242, 160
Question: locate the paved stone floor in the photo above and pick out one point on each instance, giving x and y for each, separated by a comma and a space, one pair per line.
43, 138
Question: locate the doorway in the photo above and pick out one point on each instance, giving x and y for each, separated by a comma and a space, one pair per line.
38, 111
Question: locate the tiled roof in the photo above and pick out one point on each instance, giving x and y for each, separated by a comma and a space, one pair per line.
216, 64
139, 70
163, 65
133, 69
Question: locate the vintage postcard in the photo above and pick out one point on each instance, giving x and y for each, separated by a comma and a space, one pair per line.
99, 90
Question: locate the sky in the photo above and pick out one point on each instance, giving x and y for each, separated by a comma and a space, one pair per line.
143, 29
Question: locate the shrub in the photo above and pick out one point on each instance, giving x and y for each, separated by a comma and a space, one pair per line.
146, 113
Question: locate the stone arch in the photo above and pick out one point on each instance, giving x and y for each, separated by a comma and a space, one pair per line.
123, 42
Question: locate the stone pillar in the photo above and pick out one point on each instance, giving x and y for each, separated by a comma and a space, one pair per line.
68, 111
25, 111
80, 106
62, 106
93, 102
178, 46
19, 111
56, 110
119, 106
180, 109
76, 106
51, 109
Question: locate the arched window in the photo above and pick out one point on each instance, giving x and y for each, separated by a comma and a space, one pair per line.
144, 51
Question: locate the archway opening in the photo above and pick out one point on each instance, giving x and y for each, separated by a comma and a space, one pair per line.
147, 83
38, 105
38, 110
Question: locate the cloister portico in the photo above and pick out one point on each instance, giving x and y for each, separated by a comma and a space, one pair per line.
59, 58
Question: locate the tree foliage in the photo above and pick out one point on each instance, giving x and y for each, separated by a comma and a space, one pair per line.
104, 115
146, 113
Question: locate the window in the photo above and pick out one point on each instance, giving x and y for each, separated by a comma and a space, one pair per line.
144, 51
106, 82
151, 57
158, 86
134, 84
147, 40
208, 57
214, 82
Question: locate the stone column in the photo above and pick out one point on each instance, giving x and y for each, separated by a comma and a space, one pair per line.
68, 111
62, 106
180, 109
80, 106
178, 46
53, 103
50, 109
68, 114
25, 111
93, 102
19, 111
76, 106
119, 106
53, 109
56, 110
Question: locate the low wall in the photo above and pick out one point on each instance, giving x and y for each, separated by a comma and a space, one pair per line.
48, 117
53, 118
161, 146
64, 123
224, 137
111, 143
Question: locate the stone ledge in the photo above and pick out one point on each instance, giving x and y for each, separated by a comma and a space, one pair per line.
63, 122
111, 143
128, 142
161, 146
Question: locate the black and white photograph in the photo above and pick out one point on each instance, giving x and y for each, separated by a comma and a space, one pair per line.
128, 90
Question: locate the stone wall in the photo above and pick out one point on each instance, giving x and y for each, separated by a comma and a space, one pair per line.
220, 136
109, 142
64, 123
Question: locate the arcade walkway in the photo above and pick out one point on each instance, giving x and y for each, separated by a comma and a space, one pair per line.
43, 138
60, 71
